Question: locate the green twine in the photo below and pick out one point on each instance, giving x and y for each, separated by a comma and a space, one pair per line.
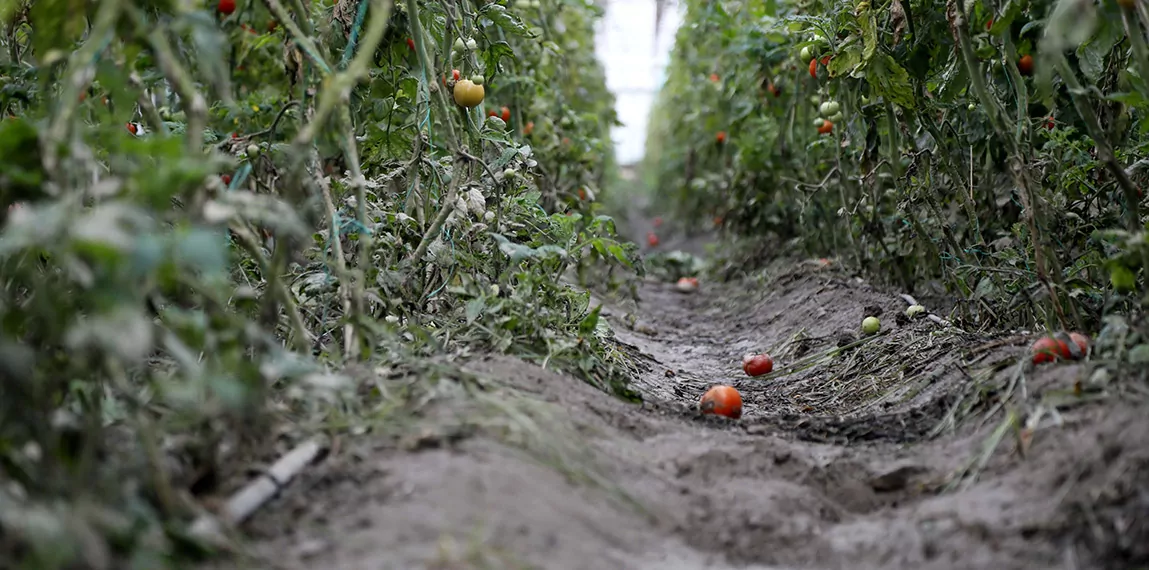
353, 39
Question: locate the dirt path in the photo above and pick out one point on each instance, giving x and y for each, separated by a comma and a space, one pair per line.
836, 465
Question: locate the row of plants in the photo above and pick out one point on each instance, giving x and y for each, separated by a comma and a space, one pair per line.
211, 210
992, 151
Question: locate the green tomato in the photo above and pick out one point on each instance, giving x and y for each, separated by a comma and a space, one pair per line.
865, 100
972, 107
472, 44
871, 325
914, 310
819, 122
252, 150
835, 118
477, 79
459, 45
815, 100
805, 55
829, 108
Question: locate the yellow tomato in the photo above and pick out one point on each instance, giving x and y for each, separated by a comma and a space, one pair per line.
467, 94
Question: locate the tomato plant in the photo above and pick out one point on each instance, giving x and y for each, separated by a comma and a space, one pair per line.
945, 170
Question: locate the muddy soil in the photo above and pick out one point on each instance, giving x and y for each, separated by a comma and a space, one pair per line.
872, 457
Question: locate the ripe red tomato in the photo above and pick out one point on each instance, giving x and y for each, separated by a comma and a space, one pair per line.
825, 60
714, 77
226, 178
132, 128
411, 44
989, 24
814, 68
492, 113
1025, 65
1048, 349
528, 128
506, 114
721, 137
757, 364
722, 401
1049, 124
651, 239
582, 193
826, 128
226, 7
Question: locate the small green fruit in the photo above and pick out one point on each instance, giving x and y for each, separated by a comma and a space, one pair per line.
805, 54
252, 150
835, 118
829, 108
914, 310
477, 79
819, 122
871, 325
472, 44
459, 45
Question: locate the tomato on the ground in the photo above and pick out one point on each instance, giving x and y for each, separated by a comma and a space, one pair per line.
757, 364
1048, 349
722, 401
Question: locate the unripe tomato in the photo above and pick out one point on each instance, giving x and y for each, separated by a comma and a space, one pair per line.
829, 108
805, 54
472, 44
459, 45
468, 94
477, 79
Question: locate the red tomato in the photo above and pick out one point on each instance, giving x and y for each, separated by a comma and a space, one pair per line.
226, 7
582, 193
1048, 349
1049, 124
455, 74
411, 44
505, 114
226, 178
814, 67
528, 128
492, 113
132, 128
757, 365
1025, 64
722, 401
826, 128
721, 137
714, 77
825, 61
989, 24
651, 239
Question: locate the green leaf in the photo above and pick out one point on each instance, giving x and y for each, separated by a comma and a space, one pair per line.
59, 23
590, 322
890, 80
845, 61
869, 27
1091, 54
505, 20
475, 308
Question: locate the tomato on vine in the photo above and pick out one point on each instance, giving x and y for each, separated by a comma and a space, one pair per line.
1025, 65
468, 94
714, 77
226, 7
505, 114
411, 44
720, 137
528, 128
826, 128
814, 68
